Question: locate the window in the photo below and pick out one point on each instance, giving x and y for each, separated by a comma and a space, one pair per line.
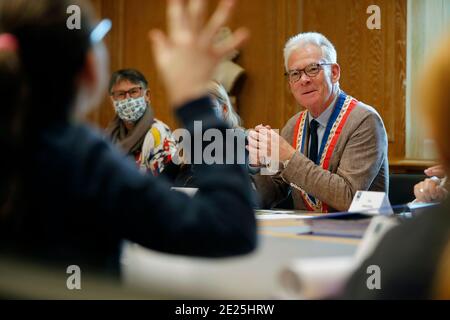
427, 22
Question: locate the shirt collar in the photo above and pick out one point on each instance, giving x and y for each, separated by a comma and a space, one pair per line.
326, 114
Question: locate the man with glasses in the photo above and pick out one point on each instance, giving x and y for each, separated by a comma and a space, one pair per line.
327, 152
134, 129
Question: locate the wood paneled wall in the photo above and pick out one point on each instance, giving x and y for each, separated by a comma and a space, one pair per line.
372, 61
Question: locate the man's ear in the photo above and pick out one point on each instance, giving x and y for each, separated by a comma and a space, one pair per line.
335, 73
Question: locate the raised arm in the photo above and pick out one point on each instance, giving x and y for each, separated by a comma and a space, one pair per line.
219, 220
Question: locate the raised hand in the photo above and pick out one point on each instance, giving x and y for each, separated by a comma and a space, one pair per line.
266, 144
187, 57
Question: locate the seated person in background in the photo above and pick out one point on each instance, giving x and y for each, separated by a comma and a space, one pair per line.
70, 198
134, 129
410, 256
183, 175
222, 105
326, 153
433, 189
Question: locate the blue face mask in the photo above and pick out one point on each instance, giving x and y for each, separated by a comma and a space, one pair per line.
131, 109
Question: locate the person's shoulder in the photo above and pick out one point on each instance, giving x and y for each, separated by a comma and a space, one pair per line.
158, 122
70, 135
159, 134
88, 140
292, 120
364, 113
364, 110
289, 127
290, 124
160, 126
79, 147
96, 151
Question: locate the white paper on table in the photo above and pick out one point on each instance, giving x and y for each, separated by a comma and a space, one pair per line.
315, 278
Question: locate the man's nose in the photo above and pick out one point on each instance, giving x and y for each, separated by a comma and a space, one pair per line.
304, 78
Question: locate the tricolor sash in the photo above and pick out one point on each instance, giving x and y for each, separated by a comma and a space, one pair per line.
344, 105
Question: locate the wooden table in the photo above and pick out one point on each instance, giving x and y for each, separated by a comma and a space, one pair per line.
253, 276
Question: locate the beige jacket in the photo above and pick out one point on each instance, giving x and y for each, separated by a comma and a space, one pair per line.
359, 162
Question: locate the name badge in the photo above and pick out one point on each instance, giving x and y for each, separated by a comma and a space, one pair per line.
371, 203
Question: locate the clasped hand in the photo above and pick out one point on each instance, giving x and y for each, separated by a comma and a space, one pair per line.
266, 146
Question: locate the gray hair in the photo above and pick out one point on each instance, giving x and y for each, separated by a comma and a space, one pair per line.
218, 92
328, 51
132, 75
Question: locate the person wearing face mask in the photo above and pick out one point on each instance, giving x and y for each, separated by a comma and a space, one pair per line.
134, 129
70, 197
183, 175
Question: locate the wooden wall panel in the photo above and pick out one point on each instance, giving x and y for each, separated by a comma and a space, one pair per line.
372, 61
398, 110
114, 41
140, 17
265, 97
129, 47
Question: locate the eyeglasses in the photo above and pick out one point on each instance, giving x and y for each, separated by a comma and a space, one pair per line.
135, 92
311, 70
100, 31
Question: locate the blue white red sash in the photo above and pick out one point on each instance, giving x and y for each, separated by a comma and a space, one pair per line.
344, 105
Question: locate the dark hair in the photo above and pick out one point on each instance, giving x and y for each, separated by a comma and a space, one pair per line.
38, 81
132, 75
12, 86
